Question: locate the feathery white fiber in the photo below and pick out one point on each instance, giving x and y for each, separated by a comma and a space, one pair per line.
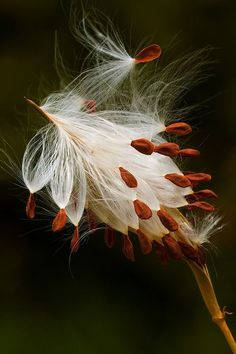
103, 155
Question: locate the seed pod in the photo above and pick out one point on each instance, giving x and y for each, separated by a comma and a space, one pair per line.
167, 149
128, 178
149, 53
178, 180
59, 221
167, 220
143, 145
142, 210
179, 129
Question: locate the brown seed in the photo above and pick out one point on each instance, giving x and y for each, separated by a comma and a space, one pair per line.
143, 145
127, 248
90, 106
167, 149
162, 253
59, 221
201, 205
179, 129
74, 244
198, 177
149, 53
91, 220
142, 210
178, 180
201, 256
167, 220
204, 193
128, 178
189, 251
30, 206
189, 153
109, 236
145, 244
172, 246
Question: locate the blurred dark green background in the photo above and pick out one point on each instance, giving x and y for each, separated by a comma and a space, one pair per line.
112, 306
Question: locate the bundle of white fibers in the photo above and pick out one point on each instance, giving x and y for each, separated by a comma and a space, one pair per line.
103, 154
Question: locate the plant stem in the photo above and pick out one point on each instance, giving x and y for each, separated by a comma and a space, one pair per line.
208, 294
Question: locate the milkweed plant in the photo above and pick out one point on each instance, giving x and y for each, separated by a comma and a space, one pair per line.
110, 151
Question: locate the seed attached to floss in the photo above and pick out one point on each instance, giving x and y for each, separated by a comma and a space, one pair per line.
109, 237
91, 220
201, 256
59, 221
167, 149
172, 247
204, 193
128, 178
201, 205
30, 206
145, 244
143, 145
149, 53
162, 253
189, 251
74, 244
179, 129
167, 220
196, 178
127, 248
90, 106
178, 180
142, 210
189, 153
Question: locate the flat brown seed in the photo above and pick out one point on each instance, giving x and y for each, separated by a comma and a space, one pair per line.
189, 251
91, 220
74, 244
201, 205
179, 129
205, 193
167, 149
149, 53
198, 177
142, 210
162, 253
59, 221
178, 180
109, 237
30, 206
143, 145
189, 153
201, 256
90, 106
127, 248
167, 220
128, 178
172, 246
145, 243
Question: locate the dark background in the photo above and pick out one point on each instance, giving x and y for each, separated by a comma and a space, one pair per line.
111, 305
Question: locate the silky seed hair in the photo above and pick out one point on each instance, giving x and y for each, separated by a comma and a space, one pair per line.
105, 154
